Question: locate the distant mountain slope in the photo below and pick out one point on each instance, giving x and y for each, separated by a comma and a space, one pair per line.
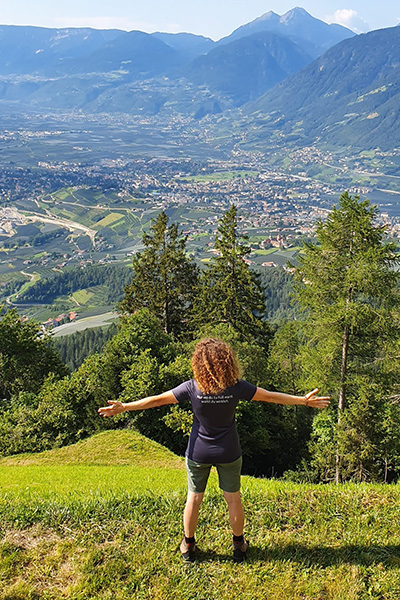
52, 52
349, 96
138, 54
84, 73
38, 50
148, 74
296, 23
246, 68
192, 45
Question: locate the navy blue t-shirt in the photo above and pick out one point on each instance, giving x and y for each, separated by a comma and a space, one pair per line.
214, 438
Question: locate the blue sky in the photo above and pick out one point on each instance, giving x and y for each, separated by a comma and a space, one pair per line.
212, 18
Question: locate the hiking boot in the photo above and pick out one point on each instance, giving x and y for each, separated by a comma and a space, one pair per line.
239, 550
188, 551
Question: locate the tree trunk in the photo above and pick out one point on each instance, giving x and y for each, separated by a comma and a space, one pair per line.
165, 284
342, 392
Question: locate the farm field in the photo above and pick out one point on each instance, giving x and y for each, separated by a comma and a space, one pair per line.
102, 519
85, 323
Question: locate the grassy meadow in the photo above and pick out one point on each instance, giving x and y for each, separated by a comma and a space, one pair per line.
102, 520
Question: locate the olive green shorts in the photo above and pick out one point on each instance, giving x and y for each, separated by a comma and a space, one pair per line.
228, 475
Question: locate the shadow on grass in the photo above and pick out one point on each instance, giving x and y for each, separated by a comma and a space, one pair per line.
322, 556
211, 556
326, 556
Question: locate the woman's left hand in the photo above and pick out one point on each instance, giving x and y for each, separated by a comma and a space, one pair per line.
116, 407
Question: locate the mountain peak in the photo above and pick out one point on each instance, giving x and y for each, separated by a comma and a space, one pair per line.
267, 20
317, 35
298, 10
268, 15
295, 13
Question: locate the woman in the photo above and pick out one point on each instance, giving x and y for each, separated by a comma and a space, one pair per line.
214, 394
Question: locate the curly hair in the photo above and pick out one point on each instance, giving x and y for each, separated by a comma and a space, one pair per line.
215, 366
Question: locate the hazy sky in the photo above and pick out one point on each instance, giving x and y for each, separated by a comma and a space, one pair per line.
212, 18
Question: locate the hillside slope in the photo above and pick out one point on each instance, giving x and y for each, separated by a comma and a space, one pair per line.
98, 533
40, 50
348, 97
116, 447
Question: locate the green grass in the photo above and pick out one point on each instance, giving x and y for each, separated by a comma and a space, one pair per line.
102, 520
110, 448
82, 296
46, 482
94, 298
265, 252
11, 277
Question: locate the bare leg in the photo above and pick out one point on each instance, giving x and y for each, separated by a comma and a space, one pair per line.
191, 513
236, 515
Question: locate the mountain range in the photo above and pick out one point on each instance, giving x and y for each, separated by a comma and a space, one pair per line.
296, 24
88, 69
290, 77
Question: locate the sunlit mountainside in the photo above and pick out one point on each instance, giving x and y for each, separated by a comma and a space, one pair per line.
135, 72
348, 97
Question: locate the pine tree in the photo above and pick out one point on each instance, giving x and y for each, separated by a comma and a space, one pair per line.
164, 278
347, 285
230, 292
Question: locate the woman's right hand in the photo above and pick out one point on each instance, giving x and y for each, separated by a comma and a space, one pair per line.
314, 401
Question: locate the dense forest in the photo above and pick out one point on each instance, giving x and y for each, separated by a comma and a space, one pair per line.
277, 285
74, 348
71, 280
342, 336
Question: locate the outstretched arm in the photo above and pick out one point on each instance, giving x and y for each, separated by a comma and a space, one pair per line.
309, 399
117, 407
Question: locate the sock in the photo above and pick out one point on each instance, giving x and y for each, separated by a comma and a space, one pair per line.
238, 539
190, 540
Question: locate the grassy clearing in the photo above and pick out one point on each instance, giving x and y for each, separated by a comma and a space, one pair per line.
265, 252
82, 296
86, 322
107, 522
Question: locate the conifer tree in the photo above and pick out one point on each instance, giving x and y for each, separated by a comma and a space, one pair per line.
347, 285
230, 291
164, 278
